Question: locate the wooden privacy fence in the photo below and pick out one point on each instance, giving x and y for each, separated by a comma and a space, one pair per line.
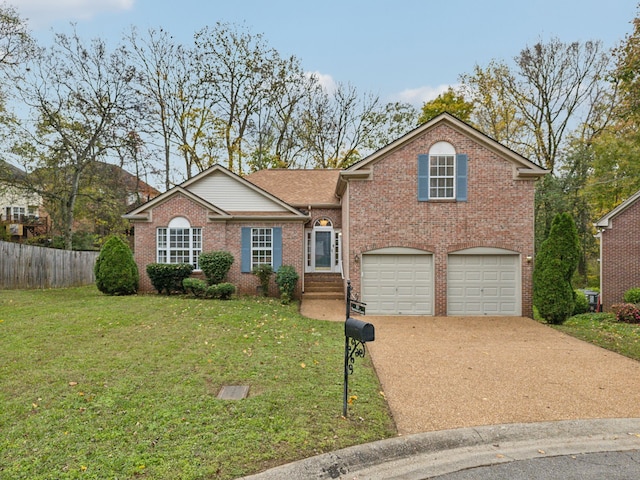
26, 266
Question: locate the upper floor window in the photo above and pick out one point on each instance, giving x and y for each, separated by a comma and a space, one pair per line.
442, 174
179, 243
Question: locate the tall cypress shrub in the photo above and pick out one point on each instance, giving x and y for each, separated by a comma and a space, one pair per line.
556, 262
115, 269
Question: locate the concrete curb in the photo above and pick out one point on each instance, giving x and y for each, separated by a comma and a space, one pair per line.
424, 455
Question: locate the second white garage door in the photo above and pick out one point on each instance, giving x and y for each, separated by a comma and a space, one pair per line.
483, 285
397, 284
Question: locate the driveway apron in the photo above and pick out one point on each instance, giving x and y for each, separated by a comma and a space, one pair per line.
441, 373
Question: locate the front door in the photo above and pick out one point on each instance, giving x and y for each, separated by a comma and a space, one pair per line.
322, 248
323, 243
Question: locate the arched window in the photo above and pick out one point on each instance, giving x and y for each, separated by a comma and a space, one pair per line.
442, 174
442, 171
323, 222
179, 243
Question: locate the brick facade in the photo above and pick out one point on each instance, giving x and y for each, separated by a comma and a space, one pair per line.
216, 235
620, 255
385, 212
373, 204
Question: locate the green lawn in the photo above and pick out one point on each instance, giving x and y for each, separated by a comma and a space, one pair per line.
602, 329
93, 386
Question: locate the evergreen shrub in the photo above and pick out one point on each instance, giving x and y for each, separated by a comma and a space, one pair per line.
221, 291
195, 286
115, 269
286, 279
168, 277
632, 295
556, 262
215, 265
581, 303
263, 272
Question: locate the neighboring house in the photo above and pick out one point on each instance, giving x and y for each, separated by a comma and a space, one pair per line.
439, 222
20, 210
619, 232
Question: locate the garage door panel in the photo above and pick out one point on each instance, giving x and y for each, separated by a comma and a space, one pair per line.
483, 285
397, 283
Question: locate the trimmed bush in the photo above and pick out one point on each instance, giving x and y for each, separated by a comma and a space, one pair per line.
632, 295
168, 277
556, 262
221, 291
263, 272
215, 265
581, 303
115, 269
286, 279
626, 312
195, 286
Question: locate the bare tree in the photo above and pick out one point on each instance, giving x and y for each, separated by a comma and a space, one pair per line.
241, 71
335, 126
553, 89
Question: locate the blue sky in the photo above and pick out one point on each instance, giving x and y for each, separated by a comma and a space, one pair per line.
401, 50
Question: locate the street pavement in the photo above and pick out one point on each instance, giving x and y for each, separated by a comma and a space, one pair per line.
574, 449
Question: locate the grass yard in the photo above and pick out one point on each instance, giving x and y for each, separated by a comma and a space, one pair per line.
98, 387
603, 330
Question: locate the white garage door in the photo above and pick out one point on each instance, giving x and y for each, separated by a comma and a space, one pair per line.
483, 285
397, 284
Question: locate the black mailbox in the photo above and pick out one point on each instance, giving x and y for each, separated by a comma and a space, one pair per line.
359, 330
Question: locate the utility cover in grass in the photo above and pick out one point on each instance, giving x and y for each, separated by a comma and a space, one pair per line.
233, 392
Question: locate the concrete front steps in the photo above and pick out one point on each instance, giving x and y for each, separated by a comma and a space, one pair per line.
323, 286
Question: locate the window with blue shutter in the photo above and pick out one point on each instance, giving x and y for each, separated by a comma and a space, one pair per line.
442, 174
423, 178
245, 250
461, 177
260, 246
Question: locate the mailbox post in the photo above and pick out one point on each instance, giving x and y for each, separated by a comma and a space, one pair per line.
356, 334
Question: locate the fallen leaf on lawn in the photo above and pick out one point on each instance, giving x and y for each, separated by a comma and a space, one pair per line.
303, 365
73, 384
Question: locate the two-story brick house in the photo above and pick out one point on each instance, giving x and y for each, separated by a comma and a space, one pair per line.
439, 222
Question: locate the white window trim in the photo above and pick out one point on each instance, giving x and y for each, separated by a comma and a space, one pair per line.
164, 246
257, 247
442, 151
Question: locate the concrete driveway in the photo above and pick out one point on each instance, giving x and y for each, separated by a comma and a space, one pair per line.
440, 373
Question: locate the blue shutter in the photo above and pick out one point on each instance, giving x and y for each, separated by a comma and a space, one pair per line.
461, 177
276, 233
245, 249
423, 178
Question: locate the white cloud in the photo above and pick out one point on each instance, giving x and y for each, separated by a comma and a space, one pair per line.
326, 81
418, 96
41, 13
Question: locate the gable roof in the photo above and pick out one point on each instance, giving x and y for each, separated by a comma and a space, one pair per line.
300, 188
10, 171
218, 185
605, 221
523, 168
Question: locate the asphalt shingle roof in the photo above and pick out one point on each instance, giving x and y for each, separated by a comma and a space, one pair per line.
299, 188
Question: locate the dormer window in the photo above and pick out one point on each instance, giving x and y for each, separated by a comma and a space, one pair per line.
442, 174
